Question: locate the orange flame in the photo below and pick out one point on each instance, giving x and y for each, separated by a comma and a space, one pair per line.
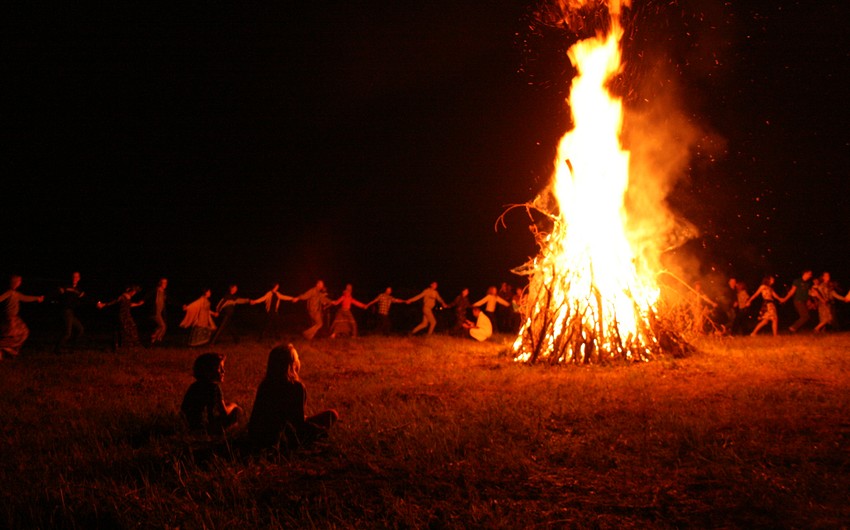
590, 293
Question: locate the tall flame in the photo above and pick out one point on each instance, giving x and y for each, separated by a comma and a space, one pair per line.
590, 296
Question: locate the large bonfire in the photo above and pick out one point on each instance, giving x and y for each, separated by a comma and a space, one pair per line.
593, 293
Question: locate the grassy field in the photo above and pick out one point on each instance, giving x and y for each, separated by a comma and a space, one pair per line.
439, 432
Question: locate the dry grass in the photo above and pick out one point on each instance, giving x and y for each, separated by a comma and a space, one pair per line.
442, 433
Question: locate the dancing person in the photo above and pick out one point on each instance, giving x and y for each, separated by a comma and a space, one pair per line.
204, 408
482, 328
13, 331
344, 322
461, 305
279, 415
271, 304
226, 308
768, 313
490, 301
158, 301
429, 297
199, 320
384, 302
125, 337
317, 299
800, 289
70, 297
824, 293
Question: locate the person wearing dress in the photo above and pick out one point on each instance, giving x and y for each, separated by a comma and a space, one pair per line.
13, 331
768, 313
226, 308
126, 335
199, 320
344, 322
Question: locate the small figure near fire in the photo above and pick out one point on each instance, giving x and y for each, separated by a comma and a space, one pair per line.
768, 313
482, 328
490, 302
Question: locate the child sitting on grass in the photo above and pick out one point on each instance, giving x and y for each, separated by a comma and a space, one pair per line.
203, 407
278, 417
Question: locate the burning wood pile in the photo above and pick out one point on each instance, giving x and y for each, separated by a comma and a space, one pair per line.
593, 294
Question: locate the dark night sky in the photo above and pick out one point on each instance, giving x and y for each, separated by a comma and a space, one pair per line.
375, 143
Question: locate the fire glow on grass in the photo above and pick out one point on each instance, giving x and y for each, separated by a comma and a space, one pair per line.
591, 296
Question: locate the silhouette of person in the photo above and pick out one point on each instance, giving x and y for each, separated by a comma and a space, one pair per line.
226, 308
824, 293
204, 408
271, 303
70, 297
278, 417
461, 305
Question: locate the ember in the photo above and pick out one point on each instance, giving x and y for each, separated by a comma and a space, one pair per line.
593, 294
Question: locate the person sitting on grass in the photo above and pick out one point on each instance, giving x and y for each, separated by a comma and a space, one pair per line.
204, 407
278, 417
482, 328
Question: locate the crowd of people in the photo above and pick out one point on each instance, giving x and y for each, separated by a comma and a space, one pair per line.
738, 312
207, 323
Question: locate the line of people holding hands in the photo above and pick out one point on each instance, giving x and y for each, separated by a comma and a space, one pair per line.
207, 324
